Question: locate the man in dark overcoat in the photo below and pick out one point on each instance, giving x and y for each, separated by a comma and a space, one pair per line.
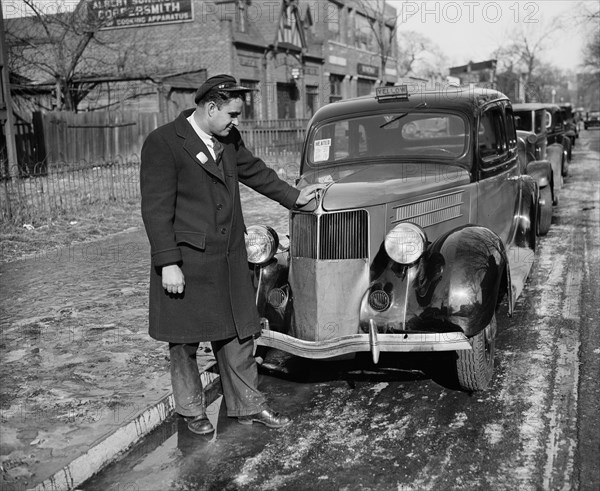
200, 284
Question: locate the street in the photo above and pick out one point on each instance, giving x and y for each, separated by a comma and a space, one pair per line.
396, 425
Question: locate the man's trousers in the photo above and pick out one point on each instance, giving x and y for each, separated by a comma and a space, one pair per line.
238, 373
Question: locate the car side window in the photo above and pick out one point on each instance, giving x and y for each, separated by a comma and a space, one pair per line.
491, 136
511, 133
540, 121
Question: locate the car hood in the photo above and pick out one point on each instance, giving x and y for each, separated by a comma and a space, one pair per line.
367, 185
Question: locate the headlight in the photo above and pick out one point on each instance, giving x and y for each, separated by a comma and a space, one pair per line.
405, 243
261, 243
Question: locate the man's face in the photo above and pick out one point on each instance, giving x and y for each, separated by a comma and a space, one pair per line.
222, 120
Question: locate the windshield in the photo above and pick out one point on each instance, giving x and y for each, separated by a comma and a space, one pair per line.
524, 120
403, 135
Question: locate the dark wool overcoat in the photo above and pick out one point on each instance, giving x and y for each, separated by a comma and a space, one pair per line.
192, 213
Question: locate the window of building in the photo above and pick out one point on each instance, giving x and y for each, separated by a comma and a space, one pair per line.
335, 87
332, 17
312, 99
242, 15
363, 34
249, 109
286, 101
364, 86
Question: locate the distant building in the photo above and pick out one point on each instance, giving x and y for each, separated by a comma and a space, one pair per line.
479, 73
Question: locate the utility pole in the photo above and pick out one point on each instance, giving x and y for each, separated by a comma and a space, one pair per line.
7, 117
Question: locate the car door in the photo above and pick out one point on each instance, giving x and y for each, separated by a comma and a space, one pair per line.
498, 173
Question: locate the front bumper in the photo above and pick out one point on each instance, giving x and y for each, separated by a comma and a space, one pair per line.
372, 342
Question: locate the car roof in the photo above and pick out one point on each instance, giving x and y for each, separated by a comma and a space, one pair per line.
455, 98
529, 106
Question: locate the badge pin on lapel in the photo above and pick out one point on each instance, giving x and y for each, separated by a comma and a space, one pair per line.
202, 158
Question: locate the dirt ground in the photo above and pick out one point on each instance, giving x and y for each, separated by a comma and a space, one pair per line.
77, 361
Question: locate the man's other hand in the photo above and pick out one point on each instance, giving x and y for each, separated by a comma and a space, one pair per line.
308, 193
172, 279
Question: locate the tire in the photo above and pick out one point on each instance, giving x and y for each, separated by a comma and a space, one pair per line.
545, 205
565, 163
475, 367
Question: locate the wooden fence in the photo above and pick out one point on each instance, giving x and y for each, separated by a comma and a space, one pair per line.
81, 139
94, 157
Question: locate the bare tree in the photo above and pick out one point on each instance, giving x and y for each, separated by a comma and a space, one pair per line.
383, 23
50, 48
71, 51
590, 17
524, 53
418, 55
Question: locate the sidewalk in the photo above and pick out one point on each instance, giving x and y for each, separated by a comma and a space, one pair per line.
80, 379
77, 362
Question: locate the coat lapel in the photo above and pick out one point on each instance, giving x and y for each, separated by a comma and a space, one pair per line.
195, 147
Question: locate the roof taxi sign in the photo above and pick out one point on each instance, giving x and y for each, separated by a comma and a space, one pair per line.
131, 13
396, 92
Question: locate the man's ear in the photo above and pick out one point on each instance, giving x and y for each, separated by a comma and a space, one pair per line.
211, 108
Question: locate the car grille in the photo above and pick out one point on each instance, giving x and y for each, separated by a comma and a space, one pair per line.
432, 211
343, 235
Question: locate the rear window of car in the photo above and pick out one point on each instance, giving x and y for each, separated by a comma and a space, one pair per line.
401, 135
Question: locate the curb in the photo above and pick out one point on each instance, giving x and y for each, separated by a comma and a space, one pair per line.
108, 449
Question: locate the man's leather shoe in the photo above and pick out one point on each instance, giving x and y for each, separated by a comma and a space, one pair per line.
199, 425
267, 417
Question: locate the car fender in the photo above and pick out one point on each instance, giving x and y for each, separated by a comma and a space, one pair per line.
526, 219
273, 299
555, 155
541, 171
455, 286
469, 288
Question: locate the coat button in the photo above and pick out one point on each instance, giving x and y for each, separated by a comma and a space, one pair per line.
219, 206
214, 181
224, 230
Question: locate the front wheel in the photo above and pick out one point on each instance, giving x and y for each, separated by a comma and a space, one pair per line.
475, 367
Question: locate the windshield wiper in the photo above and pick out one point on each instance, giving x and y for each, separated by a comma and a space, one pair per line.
393, 120
400, 116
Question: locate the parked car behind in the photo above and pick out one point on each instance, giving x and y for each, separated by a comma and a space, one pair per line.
570, 121
541, 171
427, 223
533, 117
557, 134
592, 118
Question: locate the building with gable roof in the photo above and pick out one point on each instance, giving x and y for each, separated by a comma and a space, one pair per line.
151, 55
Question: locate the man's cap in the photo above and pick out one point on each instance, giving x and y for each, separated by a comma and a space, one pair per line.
224, 83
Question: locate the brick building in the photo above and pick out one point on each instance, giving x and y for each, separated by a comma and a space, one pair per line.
297, 54
482, 73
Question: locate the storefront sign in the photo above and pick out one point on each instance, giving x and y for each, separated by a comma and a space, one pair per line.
337, 60
248, 61
367, 70
129, 13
